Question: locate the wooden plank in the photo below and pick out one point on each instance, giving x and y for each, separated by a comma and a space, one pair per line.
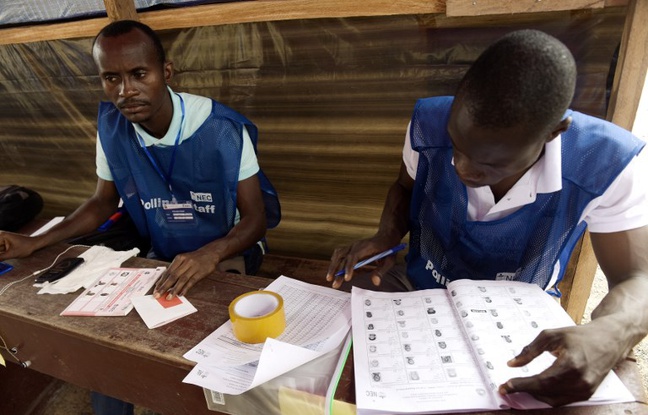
121, 10
624, 102
631, 67
457, 8
227, 13
579, 277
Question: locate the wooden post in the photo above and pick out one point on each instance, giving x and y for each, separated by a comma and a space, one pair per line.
630, 73
578, 279
121, 10
629, 78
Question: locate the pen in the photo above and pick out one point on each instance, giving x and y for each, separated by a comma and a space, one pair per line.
111, 220
375, 258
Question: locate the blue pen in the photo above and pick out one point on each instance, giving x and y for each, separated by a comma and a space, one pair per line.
375, 258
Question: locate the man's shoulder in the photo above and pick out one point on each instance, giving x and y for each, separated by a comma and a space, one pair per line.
196, 102
201, 106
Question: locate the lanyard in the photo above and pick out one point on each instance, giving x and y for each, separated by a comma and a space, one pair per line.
165, 178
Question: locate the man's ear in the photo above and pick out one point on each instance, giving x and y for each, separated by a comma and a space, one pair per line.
168, 71
560, 128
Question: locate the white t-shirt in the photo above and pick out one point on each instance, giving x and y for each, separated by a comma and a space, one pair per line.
197, 109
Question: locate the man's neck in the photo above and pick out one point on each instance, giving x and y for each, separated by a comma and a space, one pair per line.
160, 125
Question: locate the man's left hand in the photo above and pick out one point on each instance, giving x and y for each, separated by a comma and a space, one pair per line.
185, 270
584, 356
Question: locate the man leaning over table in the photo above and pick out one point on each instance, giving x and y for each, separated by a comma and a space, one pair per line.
184, 166
499, 182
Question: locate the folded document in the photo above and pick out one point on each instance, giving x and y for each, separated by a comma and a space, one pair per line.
157, 312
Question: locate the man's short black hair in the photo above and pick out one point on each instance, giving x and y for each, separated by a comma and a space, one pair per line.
121, 27
525, 78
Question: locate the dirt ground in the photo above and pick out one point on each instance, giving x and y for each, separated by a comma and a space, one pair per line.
599, 289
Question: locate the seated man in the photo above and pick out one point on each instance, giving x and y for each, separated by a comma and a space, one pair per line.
184, 166
499, 183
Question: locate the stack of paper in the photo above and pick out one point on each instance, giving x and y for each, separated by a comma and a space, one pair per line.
317, 321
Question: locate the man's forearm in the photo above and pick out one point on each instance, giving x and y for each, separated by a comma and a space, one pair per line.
86, 218
241, 237
394, 221
624, 310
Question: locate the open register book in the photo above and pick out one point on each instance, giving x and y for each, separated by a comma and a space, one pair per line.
439, 351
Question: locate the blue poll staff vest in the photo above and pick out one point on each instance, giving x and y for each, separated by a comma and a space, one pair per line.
525, 245
205, 172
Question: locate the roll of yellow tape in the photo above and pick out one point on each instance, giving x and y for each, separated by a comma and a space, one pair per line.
257, 315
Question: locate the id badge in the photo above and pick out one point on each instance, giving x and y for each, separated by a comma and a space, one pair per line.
179, 212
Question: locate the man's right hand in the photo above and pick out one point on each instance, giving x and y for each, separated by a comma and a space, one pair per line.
13, 245
345, 258
394, 225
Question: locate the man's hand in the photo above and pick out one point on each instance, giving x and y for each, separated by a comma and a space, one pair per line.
13, 245
346, 258
185, 271
394, 225
584, 356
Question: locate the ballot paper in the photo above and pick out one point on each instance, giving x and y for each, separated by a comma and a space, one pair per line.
157, 312
112, 293
446, 350
317, 321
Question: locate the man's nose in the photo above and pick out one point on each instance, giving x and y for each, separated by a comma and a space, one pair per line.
127, 88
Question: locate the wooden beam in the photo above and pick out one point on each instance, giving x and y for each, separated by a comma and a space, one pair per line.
458, 8
632, 64
121, 10
227, 13
630, 75
40, 32
274, 10
578, 279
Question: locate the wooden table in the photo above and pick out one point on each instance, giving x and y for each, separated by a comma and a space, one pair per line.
121, 357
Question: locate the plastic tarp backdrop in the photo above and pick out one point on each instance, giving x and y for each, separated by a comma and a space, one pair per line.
331, 97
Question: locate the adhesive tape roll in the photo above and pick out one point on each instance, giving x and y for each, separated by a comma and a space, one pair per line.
257, 315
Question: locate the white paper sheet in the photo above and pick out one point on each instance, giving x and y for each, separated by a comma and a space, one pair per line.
53, 222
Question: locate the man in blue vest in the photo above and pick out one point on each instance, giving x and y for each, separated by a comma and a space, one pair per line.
499, 182
184, 166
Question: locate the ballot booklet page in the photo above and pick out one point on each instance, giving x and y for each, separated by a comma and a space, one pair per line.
435, 351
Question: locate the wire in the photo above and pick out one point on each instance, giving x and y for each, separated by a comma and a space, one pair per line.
13, 351
4, 346
11, 284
